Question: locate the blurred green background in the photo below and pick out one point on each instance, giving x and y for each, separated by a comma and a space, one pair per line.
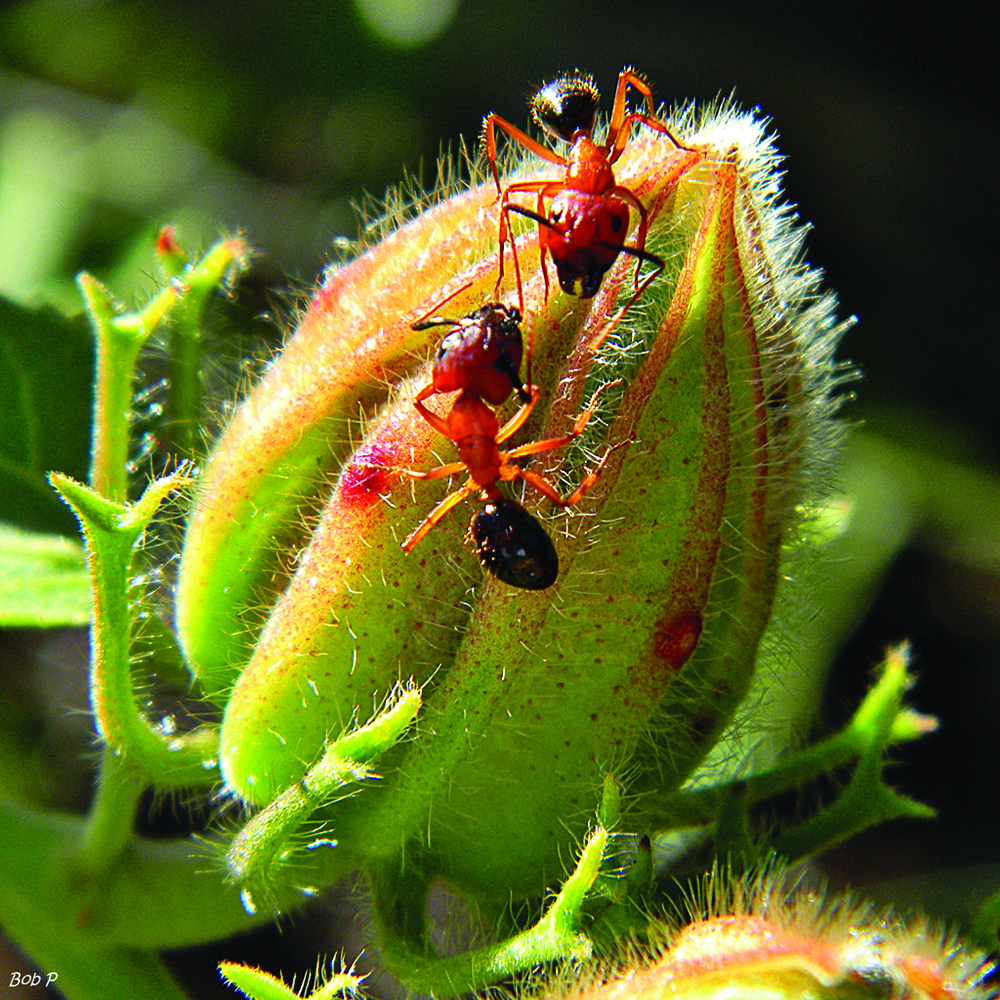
118, 117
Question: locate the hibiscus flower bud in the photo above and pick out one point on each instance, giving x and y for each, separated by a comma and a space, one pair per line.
300, 611
762, 939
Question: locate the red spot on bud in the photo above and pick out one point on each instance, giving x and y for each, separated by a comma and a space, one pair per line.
675, 640
367, 476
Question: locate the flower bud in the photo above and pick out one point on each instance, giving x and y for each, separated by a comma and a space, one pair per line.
300, 611
769, 942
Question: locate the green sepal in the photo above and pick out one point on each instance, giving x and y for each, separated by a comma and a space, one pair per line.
867, 800
879, 722
345, 762
119, 337
199, 282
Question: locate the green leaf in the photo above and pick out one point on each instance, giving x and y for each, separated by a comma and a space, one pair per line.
50, 915
44, 580
45, 383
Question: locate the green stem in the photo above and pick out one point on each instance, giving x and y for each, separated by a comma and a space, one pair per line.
112, 813
556, 936
134, 752
118, 342
186, 342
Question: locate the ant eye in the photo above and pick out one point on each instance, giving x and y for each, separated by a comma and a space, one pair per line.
617, 223
566, 107
513, 546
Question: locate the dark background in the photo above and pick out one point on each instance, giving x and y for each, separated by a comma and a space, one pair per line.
275, 117
118, 117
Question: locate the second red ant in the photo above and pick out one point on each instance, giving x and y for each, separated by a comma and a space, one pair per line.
481, 358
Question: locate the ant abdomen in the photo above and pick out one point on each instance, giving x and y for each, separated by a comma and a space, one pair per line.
567, 106
513, 546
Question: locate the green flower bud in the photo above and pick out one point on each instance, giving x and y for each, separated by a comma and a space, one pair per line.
300, 612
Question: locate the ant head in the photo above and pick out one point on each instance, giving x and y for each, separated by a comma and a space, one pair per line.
567, 106
590, 283
584, 284
498, 317
482, 354
513, 546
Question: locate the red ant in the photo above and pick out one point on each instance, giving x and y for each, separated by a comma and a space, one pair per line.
588, 217
481, 358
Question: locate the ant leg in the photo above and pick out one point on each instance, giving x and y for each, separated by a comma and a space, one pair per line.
438, 423
547, 444
505, 209
659, 126
546, 488
439, 472
488, 144
629, 78
426, 322
519, 419
654, 123
530, 352
621, 119
428, 390
543, 224
641, 254
545, 189
598, 340
452, 500
639, 251
618, 127
543, 243
501, 240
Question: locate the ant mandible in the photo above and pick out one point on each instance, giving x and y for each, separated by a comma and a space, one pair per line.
509, 541
588, 217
